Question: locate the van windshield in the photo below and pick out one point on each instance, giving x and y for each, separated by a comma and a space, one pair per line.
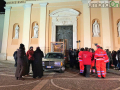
55, 55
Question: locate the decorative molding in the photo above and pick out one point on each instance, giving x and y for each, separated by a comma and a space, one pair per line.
43, 4
85, 1
49, 1
27, 5
7, 8
104, 0
66, 5
36, 1
54, 0
64, 12
65, 16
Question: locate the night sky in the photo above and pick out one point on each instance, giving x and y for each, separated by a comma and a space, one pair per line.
2, 5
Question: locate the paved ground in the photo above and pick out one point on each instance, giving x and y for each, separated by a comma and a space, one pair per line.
69, 80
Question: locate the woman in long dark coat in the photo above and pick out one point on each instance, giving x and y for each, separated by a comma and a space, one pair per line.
37, 63
21, 69
114, 59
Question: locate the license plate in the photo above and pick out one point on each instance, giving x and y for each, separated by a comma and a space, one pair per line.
48, 66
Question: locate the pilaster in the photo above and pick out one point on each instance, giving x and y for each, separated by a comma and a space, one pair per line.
5, 33
42, 26
26, 25
86, 24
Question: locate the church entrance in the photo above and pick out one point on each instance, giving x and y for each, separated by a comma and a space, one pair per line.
65, 33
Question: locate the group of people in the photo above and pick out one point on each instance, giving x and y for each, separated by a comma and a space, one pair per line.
24, 59
90, 61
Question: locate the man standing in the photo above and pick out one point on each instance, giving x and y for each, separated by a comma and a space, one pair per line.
30, 56
118, 57
15, 57
81, 61
101, 57
110, 57
86, 57
71, 55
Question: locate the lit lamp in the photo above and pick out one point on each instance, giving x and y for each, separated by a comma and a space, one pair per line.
79, 43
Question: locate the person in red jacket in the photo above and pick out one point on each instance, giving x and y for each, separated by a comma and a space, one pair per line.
106, 61
30, 56
92, 69
81, 66
101, 58
86, 57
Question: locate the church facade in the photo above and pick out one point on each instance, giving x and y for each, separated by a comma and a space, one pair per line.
40, 22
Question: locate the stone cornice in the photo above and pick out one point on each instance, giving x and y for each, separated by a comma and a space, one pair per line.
7, 8
43, 4
27, 5
36, 1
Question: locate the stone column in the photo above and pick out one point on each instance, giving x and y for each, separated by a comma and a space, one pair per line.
86, 24
42, 26
5, 34
107, 31
26, 25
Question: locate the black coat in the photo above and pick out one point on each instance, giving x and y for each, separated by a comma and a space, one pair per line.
37, 64
21, 69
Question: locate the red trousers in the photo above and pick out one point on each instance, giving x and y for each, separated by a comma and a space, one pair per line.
100, 66
81, 66
92, 65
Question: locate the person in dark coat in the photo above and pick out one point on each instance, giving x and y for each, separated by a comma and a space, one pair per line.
77, 61
21, 69
118, 55
71, 55
75, 58
15, 57
37, 63
115, 62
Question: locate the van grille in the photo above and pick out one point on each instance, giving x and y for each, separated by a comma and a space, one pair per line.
49, 63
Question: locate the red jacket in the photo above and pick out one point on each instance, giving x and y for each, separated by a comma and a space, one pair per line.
80, 55
101, 55
30, 54
86, 57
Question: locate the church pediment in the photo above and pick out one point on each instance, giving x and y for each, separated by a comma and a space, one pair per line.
64, 12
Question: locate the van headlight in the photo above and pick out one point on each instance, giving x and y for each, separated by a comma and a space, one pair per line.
61, 63
43, 63
57, 63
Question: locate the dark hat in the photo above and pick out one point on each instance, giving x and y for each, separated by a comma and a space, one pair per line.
21, 46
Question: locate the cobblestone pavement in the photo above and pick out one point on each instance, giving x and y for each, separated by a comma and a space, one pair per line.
69, 80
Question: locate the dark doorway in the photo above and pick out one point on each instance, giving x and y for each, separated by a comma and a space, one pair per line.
65, 33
